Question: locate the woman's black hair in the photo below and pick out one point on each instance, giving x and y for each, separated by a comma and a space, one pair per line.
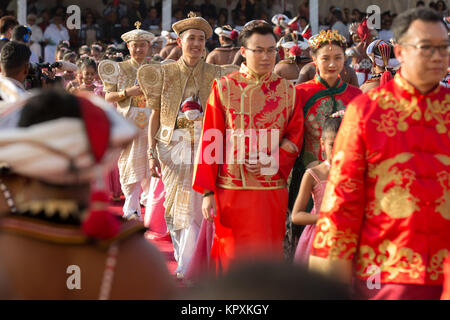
86, 62
323, 44
331, 124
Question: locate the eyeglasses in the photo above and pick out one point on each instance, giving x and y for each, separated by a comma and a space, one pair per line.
427, 50
260, 51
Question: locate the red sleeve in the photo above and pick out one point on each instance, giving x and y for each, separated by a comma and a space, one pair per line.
343, 204
294, 133
210, 151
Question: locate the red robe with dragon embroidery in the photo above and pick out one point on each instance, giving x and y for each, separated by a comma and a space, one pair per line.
386, 207
251, 208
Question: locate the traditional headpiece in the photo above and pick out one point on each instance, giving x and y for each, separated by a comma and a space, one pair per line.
293, 24
383, 59
326, 37
68, 150
296, 45
137, 34
193, 22
64, 150
227, 31
280, 20
297, 40
353, 28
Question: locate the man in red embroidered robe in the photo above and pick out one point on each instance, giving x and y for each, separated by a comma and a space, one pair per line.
243, 182
385, 215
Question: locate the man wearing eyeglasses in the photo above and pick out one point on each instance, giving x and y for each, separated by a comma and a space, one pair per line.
385, 215
257, 125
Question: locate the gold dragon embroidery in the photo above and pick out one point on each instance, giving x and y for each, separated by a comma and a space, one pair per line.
394, 119
436, 264
391, 259
397, 201
439, 110
342, 244
443, 203
329, 196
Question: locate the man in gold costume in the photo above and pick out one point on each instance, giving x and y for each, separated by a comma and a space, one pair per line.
121, 87
177, 94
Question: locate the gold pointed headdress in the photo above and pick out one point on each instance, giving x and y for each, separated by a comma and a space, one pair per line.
327, 37
193, 22
137, 34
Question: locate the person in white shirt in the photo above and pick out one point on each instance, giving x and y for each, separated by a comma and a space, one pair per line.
54, 33
36, 35
23, 34
386, 33
14, 62
337, 24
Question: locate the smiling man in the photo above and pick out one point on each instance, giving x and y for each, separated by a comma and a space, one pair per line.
121, 87
258, 118
177, 93
385, 215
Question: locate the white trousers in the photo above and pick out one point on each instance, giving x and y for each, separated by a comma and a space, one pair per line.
184, 241
132, 192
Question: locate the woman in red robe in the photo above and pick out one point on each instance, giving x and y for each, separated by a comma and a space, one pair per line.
326, 93
319, 98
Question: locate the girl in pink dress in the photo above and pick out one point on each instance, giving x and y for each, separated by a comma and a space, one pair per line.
314, 182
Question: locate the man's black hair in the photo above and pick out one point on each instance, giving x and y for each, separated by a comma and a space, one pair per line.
21, 33
14, 56
255, 27
6, 23
402, 22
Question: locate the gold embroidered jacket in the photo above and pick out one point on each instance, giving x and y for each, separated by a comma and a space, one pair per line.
250, 114
166, 86
387, 202
117, 76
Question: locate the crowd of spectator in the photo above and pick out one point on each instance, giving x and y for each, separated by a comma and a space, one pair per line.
118, 16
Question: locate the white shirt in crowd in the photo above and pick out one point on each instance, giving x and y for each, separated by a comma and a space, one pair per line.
342, 29
386, 35
55, 36
36, 36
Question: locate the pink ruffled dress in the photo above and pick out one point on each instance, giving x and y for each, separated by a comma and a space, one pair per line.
307, 237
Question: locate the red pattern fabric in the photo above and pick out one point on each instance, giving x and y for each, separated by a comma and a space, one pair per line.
386, 202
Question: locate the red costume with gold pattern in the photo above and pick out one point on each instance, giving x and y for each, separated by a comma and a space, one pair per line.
319, 101
387, 203
250, 208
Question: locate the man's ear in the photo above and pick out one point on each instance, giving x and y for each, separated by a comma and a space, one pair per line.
26, 69
179, 42
243, 52
398, 52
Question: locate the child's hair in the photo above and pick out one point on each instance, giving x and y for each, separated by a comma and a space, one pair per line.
63, 44
84, 50
86, 62
96, 46
69, 55
332, 123
62, 50
111, 51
